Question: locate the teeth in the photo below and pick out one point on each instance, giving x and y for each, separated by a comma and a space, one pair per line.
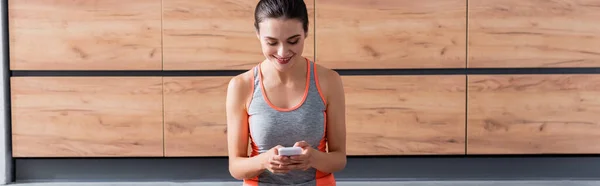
284, 59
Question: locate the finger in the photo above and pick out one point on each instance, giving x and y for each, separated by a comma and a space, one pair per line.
301, 144
279, 168
283, 163
277, 149
297, 161
302, 166
293, 166
299, 157
279, 163
281, 158
298, 166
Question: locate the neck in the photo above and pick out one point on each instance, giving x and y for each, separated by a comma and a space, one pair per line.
297, 71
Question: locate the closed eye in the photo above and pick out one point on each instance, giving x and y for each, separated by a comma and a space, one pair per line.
293, 42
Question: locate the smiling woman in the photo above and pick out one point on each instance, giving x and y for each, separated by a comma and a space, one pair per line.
281, 27
285, 101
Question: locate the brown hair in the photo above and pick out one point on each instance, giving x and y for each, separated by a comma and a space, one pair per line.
290, 9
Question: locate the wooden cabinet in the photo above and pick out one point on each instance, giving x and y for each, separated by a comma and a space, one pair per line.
405, 115
195, 118
533, 114
216, 35
386, 114
86, 116
85, 34
359, 34
534, 33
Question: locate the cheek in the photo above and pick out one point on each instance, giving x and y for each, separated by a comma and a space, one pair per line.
268, 50
298, 47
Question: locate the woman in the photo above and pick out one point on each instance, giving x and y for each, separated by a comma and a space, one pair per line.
284, 101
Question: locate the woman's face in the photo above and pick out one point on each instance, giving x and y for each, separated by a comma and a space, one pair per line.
282, 42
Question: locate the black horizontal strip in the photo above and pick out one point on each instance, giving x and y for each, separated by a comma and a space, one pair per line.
357, 169
469, 71
343, 72
17, 73
568, 70
402, 156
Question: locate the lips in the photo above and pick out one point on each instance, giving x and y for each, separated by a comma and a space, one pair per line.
284, 60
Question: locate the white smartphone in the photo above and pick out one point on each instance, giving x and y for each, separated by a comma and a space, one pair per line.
290, 151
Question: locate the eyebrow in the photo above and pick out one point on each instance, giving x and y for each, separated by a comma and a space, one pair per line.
287, 38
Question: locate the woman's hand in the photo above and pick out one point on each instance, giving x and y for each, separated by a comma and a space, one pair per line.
275, 163
302, 161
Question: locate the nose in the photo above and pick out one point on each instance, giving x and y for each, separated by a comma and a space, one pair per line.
282, 51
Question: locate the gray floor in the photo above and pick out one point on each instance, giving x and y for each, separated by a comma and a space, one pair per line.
403, 183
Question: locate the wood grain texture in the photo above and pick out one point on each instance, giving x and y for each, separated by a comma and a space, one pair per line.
534, 33
86, 116
405, 115
533, 114
195, 118
85, 34
209, 35
355, 34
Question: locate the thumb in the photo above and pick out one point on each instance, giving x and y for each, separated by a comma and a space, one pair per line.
276, 149
301, 144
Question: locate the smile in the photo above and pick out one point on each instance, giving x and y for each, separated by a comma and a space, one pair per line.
284, 60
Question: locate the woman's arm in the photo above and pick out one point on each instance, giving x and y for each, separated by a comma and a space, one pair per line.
335, 159
240, 165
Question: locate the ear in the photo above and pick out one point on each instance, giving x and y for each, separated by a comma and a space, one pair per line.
257, 34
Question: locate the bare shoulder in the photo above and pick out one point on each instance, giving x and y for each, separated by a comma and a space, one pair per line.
242, 80
240, 87
330, 81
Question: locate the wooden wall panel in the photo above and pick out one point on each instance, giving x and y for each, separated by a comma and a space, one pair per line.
195, 118
533, 114
405, 115
208, 35
85, 34
355, 34
86, 116
534, 33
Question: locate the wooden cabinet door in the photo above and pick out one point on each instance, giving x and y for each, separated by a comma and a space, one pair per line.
533, 114
360, 34
195, 118
534, 33
405, 115
86, 116
85, 34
